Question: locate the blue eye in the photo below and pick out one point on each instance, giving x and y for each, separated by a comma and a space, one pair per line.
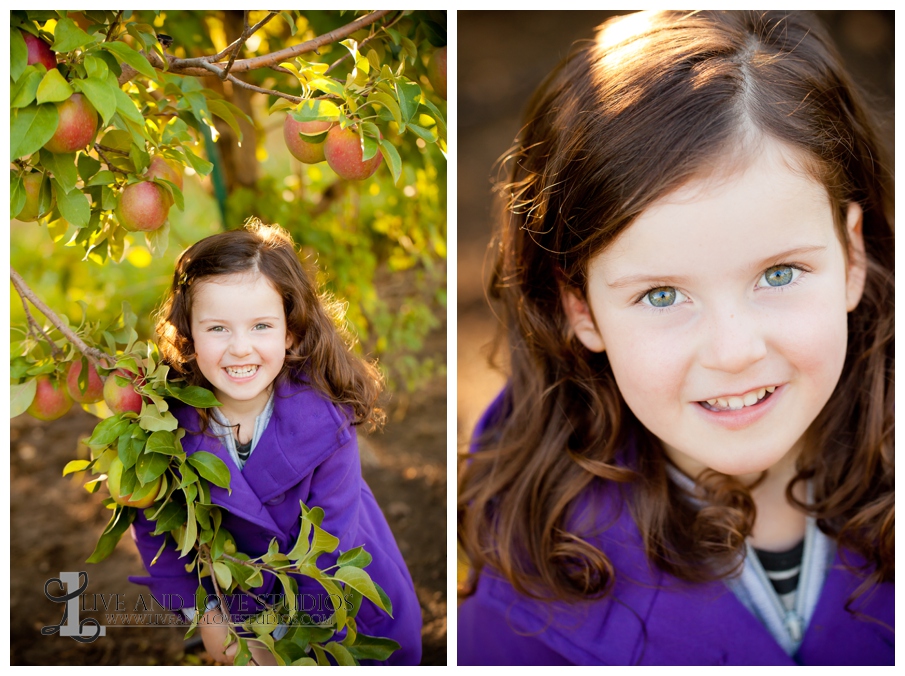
663, 296
264, 326
780, 275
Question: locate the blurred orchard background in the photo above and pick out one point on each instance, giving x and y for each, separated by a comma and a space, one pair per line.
379, 245
503, 57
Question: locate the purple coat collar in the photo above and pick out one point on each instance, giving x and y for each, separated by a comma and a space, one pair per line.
295, 446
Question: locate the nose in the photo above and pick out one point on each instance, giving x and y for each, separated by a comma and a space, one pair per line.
240, 344
734, 339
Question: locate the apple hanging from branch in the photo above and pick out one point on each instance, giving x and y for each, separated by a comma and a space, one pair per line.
344, 155
51, 400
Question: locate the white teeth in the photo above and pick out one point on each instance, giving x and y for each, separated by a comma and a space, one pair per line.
738, 403
241, 372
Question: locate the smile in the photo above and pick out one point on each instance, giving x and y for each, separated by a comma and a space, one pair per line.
242, 371
752, 398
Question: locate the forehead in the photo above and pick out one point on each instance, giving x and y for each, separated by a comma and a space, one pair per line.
236, 291
732, 216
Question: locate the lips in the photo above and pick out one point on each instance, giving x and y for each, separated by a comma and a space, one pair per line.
736, 403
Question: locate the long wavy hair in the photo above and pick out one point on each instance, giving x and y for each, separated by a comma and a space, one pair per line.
656, 100
321, 352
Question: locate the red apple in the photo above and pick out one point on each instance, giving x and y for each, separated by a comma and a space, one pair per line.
143, 206
343, 151
121, 398
78, 123
302, 150
39, 51
95, 389
51, 400
114, 480
32, 210
436, 72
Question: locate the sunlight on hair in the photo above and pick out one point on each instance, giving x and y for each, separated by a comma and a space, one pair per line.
624, 29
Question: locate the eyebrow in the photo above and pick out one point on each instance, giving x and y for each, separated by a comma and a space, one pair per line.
632, 280
226, 321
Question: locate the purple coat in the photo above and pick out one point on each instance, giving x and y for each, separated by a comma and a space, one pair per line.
307, 453
653, 618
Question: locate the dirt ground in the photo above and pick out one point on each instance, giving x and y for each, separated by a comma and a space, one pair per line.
55, 524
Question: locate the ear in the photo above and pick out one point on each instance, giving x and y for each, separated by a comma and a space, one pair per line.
289, 340
580, 319
857, 260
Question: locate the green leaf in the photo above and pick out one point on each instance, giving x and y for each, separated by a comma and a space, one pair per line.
199, 397
343, 656
96, 67
101, 96
408, 94
369, 148
88, 166
125, 106
25, 90
16, 194
387, 101
174, 191
125, 53
438, 116
357, 557
63, 169
428, 135
73, 205
108, 430
163, 442
18, 54
21, 396
191, 528
153, 420
53, 88
149, 466
68, 36
373, 648
334, 593
228, 112
211, 468
316, 109
328, 85
104, 177
200, 165
74, 466
158, 240
289, 591
391, 155
360, 581
30, 128
322, 542
171, 516
119, 523
224, 576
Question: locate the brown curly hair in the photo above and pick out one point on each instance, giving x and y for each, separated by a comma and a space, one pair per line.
320, 353
620, 123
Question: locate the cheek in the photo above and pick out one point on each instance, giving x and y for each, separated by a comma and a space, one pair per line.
650, 369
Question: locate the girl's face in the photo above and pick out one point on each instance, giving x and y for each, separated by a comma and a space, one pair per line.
722, 310
239, 330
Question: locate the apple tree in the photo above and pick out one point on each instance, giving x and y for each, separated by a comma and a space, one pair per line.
120, 122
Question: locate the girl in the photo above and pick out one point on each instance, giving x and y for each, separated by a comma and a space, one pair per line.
692, 462
244, 320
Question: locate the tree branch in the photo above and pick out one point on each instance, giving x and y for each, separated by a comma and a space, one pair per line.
113, 25
94, 355
33, 324
361, 44
98, 147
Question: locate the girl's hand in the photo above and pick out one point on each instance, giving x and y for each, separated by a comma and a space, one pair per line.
213, 635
